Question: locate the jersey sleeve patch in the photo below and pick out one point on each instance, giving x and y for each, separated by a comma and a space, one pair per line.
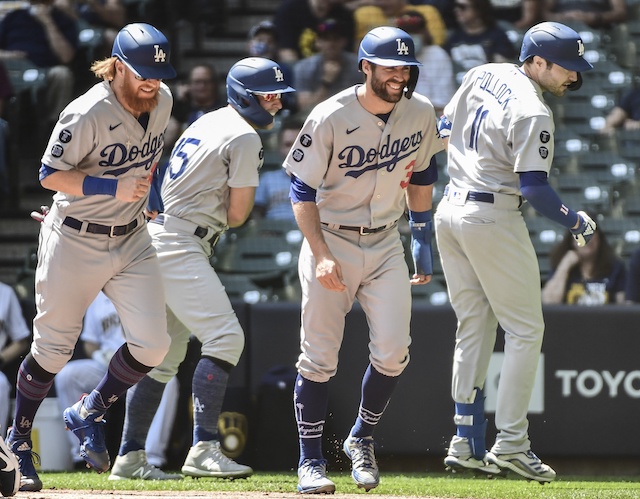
305, 140
57, 151
65, 136
298, 155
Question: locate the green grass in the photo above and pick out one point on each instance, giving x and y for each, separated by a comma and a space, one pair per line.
408, 484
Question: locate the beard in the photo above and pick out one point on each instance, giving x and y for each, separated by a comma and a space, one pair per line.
380, 89
144, 104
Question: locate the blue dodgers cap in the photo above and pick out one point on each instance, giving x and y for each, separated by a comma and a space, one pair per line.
145, 51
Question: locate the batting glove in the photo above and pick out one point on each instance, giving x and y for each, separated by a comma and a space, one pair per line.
421, 226
585, 230
444, 127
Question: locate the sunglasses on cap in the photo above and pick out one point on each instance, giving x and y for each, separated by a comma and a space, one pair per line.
268, 97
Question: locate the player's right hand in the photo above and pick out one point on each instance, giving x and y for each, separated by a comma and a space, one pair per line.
329, 274
132, 189
585, 230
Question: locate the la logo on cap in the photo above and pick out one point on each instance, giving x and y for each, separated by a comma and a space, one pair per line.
279, 74
402, 48
160, 54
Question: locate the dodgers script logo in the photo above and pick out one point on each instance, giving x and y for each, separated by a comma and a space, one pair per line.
118, 155
388, 156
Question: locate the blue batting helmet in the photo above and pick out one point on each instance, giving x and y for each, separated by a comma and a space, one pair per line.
250, 77
389, 46
557, 43
144, 50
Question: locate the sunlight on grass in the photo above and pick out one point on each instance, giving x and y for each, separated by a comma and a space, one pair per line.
410, 484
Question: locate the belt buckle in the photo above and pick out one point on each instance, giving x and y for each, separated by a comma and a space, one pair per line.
112, 231
363, 233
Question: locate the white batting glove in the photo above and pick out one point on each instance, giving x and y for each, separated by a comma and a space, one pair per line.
585, 230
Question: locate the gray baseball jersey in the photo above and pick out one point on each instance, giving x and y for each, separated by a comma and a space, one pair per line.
218, 151
360, 166
500, 127
97, 136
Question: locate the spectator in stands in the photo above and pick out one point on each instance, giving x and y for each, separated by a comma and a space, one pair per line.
263, 42
522, 14
199, 95
588, 275
330, 70
15, 337
48, 38
296, 21
478, 39
436, 80
626, 113
107, 16
272, 195
6, 91
632, 291
593, 13
101, 337
385, 13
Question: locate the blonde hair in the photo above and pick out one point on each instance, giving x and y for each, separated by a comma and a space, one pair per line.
105, 68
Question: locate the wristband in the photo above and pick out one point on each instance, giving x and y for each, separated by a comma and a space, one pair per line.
420, 217
98, 185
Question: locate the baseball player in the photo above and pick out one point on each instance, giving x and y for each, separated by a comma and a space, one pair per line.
15, 337
500, 150
101, 337
209, 186
361, 156
99, 159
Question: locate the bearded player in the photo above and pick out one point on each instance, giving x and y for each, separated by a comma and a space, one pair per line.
361, 157
99, 160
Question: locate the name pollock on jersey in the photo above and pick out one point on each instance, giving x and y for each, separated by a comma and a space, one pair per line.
488, 82
388, 156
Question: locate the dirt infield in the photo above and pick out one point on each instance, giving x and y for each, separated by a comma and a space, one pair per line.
132, 494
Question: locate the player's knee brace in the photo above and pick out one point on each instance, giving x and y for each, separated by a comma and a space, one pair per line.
472, 425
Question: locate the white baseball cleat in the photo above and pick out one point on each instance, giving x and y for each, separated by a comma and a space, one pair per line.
470, 463
134, 466
205, 459
525, 464
364, 469
312, 478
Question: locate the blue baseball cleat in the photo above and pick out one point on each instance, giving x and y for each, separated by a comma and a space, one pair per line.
89, 428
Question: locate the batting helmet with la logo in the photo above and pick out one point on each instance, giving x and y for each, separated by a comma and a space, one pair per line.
389, 46
250, 77
145, 51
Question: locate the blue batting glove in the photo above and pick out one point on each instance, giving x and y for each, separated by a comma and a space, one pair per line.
421, 225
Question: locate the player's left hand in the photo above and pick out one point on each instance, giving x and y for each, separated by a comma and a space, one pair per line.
421, 251
585, 230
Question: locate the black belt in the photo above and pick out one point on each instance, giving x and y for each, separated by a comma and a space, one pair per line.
111, 231
364, 230
201, 232
481, 197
